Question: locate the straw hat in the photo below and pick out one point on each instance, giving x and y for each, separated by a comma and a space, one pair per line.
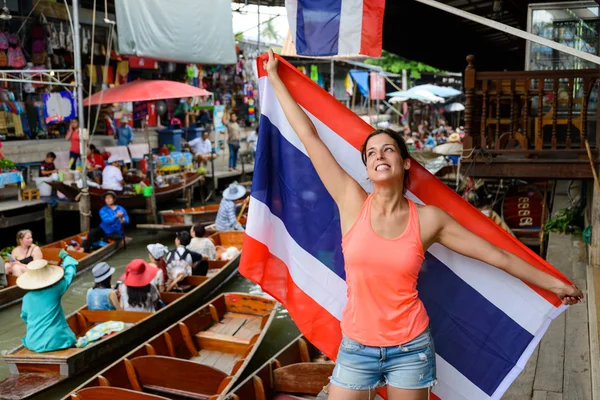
454, 138
39, 275
234, 192
138, 273
102, 271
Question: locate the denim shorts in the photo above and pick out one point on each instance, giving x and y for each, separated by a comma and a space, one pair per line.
407, 366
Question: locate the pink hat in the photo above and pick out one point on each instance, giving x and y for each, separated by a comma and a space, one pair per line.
138, 273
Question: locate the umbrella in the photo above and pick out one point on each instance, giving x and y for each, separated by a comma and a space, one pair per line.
420, 95
454, 107
440, 91
142, 90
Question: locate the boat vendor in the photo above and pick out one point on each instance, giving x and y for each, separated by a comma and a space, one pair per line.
47, 328
112, 177
201, 148
137, 292
386, 337
114, 218
25, 252
226, 216
124, 133
102, 296
185, 112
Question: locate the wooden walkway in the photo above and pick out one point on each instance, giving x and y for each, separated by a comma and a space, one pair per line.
560, 367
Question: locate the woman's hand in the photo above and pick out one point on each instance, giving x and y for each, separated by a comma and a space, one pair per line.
271, 66
568, 294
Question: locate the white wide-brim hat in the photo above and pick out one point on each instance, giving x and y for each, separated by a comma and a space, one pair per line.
234, 192
114, 158
40, 275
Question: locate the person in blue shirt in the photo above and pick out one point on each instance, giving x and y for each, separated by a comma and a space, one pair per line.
47, 327
102, 296
114, 218
124, 133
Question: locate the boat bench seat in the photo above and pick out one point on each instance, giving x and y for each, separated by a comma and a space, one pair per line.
102, 393
174, 376
225, 343
305, 378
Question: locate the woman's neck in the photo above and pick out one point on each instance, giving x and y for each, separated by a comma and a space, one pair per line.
23, 247
389, 198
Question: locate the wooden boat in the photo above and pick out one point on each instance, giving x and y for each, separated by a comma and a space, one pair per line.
33, 372
525, 211
13, 293
297, 370
185, 218
131, 201
202, 355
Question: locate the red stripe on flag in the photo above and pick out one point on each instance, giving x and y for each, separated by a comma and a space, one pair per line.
372, 28
320, 327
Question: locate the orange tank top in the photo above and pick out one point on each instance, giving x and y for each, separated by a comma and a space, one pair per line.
383, 307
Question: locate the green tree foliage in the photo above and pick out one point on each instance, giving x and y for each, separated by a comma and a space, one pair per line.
391, 62
239, 36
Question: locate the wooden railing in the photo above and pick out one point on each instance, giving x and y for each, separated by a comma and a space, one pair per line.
535, 113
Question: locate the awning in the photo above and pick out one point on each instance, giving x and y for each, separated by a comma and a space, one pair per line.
142, 90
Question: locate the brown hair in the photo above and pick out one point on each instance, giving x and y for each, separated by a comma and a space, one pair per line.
21, 234
400, 143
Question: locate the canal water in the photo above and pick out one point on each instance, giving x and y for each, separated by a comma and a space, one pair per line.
282, 331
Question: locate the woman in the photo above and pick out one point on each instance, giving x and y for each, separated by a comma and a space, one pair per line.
74, 136
137, 291
156, 254
102, 296
113, 220
47, 327
95, 164
24, 253
375, 227
201, 244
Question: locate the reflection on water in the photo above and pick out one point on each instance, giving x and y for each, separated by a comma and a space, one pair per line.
282, 331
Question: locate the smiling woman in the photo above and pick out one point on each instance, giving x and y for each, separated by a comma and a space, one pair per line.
389, 140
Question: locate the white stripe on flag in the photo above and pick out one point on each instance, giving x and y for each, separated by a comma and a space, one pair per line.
452, 385
471, 271
350, 27
308, 273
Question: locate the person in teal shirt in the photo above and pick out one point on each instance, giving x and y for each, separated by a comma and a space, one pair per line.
47, 328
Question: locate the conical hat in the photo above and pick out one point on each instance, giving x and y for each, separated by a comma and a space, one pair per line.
39, 275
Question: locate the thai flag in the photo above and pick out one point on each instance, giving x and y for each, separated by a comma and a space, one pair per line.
336, 27
485, 323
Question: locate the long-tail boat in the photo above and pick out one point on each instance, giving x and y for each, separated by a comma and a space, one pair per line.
297, 370
33, 372
12, 293
202, 355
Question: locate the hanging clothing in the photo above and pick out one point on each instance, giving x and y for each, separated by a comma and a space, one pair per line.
47, 327
122, 73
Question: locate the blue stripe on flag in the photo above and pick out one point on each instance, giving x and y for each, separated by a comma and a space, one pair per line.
318, 27
481, 342
286, 181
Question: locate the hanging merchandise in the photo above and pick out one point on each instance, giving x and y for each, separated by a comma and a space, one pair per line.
3, 59
314, 73
85, 41
195, 80
54, 41
248, 89
3, 41
61, 38
38, 51
251, 110
69, 44
302, 69
108, 75
59, 106
189, 73
16, 59
122, 73
349, 85
91, 72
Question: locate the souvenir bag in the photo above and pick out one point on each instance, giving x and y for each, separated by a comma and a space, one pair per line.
3, 59
38, 51
69, 44
16, 58
3, 41
61, 37
54, 41
13, 39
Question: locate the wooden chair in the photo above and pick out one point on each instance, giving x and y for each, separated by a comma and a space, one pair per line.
102, 393
174, 376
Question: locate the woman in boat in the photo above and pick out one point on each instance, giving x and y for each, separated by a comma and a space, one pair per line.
376, 228
179, 261
102, 296
156, 254
74, 135
47, 327
25, 252
95, 164
137, 292
226, 218
113, 220
201, 244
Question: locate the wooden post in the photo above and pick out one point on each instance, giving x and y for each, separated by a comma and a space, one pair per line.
469, 105
150, 201
49, 228
595, 244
